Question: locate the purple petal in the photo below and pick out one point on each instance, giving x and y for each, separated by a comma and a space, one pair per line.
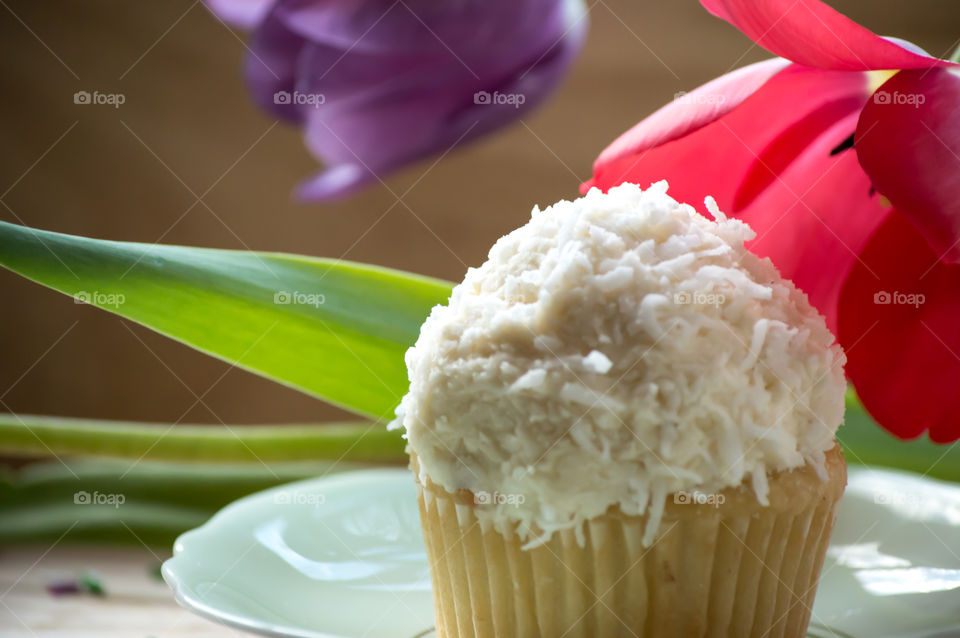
380, 84
271, 67
335, 182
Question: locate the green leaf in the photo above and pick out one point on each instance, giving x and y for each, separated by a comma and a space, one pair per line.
865, 442
334, 329
45, 436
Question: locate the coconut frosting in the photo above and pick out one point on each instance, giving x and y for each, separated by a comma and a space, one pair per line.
614, 351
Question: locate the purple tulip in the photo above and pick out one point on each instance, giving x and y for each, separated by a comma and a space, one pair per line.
378, 84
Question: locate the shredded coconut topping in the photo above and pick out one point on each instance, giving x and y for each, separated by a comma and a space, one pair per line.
615, 350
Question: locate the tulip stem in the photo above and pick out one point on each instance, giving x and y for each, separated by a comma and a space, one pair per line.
24, 435
152, 502
956, 56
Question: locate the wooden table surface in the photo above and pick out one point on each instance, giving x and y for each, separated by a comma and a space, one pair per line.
136, 605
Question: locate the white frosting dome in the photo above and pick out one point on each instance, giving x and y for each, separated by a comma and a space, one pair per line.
612, 351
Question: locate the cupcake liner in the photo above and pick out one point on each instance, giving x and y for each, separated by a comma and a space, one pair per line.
734, 569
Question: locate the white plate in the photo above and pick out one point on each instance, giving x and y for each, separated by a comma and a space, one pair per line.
343, 557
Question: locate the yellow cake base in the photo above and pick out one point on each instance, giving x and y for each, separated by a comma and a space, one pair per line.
736, 569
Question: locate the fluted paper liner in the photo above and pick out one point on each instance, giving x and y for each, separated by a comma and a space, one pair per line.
738, 569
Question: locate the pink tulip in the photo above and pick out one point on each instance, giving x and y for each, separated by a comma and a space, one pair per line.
844, 156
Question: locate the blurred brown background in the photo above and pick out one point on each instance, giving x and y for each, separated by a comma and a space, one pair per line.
187, 125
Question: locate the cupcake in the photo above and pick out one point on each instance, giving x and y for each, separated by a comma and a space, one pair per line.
623, 424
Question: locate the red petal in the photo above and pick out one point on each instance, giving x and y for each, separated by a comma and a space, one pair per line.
908, 142
811, 33
773, 159
742, 141
903, 355
815, 219
691, 111
769, 163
